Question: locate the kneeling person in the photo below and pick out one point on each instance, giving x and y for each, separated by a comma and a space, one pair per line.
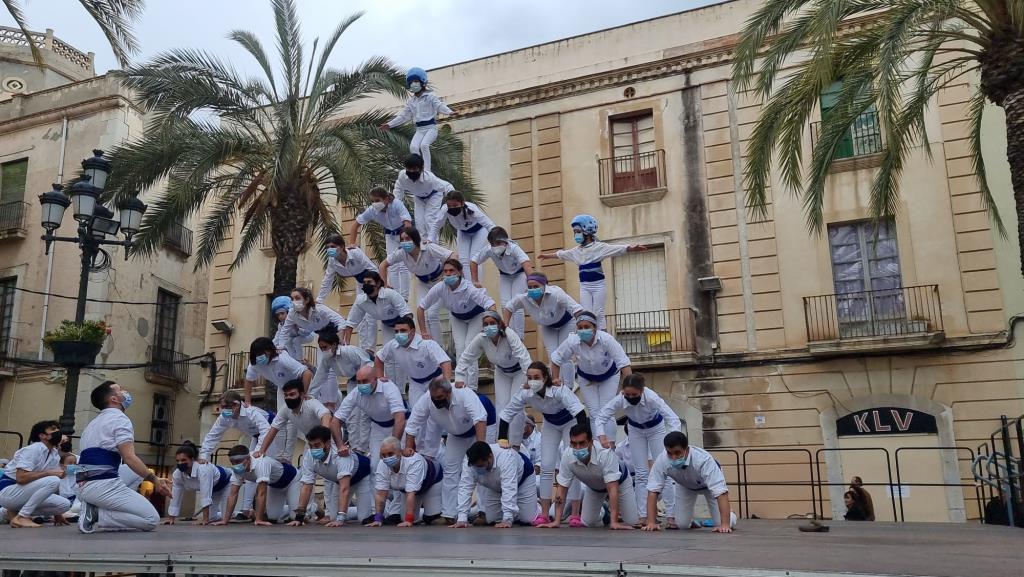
417, 476
506, 482
30, 482
695, 472
342, 477
275, 491
210, 481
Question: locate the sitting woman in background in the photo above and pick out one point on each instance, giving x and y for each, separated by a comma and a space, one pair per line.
857, 486
854, 507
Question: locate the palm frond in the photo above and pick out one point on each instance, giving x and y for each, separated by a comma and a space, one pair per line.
14, 8
254, 47
976, 113
115, 18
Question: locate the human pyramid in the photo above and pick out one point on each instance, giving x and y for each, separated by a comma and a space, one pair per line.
440, 451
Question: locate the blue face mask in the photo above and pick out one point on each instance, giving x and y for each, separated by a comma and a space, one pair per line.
332, 252
126, 400
402, 338
581, 454
491, 331
262, 359
578, 237
407, 245
585, 335
71, 470
451, 280
364, 388
535, 293
680, 463
480, 471
390, 461
318, 454
239, 468
227, 413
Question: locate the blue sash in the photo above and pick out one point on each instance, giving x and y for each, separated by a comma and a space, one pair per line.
560, 322
432, 193
558, 419
492, 413
362, 470
223, 481
470, 314
384, 424
434, 475
597, 378
6, 481
472, 229
391, 322
516, 273
623, 475
527, 468
591, 272
437, 372
396, 232
99, 457
287, 476
426, 122
652, 423
429, 278
510, 370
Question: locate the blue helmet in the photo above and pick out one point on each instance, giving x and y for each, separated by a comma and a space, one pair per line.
415, 73
586, 223
281, 302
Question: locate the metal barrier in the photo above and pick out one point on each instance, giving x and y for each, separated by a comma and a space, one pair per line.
821, 484
21, 438
736, 455
1003, 467
746, 484
900, 483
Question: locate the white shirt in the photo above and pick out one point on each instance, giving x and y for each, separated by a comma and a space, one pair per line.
507, 354
392, 218
462, 414
593, 359
591, 254
345, 362
108, 430
650, 406
279, 370
33, 458
502, 478
388, 306
462, 300
307, 417
557, 398
356, 263
251, 421
702, 472
420, 108
261, 470
427, 265
509, 263
424, 187
603, 468
412, 472
380, 405
202, 479
420, 359
333, 468
531, 446
292, 339
551, 309
468, 218
319, 317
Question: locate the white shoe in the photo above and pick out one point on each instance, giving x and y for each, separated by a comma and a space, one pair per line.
87, 518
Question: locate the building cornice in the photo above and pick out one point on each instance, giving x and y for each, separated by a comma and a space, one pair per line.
77, 109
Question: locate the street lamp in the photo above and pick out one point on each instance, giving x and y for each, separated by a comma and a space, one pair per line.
95, 223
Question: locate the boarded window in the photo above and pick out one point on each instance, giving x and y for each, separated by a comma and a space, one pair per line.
12, 181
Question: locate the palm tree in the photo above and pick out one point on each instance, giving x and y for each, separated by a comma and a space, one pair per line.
898, 57
114, 17
263, 155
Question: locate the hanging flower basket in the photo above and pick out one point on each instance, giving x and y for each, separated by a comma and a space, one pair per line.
76, 345
74, 353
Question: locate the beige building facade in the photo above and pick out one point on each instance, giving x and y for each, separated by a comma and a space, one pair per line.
883, 350
51, 117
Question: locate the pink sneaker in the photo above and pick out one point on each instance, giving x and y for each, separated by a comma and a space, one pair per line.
540, 520
575, 522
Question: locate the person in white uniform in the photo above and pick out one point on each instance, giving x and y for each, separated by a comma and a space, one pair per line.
109, 439
552, 309
650, 419
471, 226
417, 359
588, 256
301, 412
604, 477
379, 303
427, 191
513, 266
307, 315
425, 261
277, 367
561, 409
600, 363
696, 473
505, 484
210, 482
381, 402
30, 483
293, 340
506, 351
462, 415
343, 477
337, 361
277, 493
421, 109
348, 262
391, 214
465, 303
531, 444
417, 477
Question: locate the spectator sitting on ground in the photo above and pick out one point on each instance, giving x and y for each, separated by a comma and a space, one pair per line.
854, 507
857, 486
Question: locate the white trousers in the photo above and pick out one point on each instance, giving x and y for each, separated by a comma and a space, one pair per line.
421, 141
462, 333
361, 492
219, 504
552, 339
505, 385
120, 508
454, 455
593, 500
40, 497
687, 499
282, 502
551, 437
646, 445
526, 501
358, 424
429, 502
595, 397
427, 214
592, 296
367, 331
468, 245
433, 313
510, 286
398, 275
377, 434
428, 441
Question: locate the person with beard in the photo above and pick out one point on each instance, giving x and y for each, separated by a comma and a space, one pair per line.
30, 483
301, 412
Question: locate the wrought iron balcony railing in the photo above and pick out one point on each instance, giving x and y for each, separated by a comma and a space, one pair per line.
881, 313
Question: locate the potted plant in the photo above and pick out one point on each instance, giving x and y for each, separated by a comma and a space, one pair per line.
76, 345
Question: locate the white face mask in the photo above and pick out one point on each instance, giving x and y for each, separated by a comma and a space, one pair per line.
379, 205
298, 305
535, 384
498, 250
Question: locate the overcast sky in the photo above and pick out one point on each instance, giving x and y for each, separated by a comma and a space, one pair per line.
426, 33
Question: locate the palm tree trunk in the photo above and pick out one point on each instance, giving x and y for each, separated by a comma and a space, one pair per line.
289, 224
1013, 105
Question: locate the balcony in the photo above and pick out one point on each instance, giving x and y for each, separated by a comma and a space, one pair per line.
860, 148
167, 366
179, 238
655, 337
902, 318
8, 351
12, 220
632, 179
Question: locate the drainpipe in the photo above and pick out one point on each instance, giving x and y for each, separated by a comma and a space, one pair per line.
49, 262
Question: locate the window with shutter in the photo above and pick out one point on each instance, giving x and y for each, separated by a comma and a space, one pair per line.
634, 163
166, 327
866, 273
12, 181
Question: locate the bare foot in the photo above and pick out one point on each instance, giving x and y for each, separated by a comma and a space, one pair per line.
20, 522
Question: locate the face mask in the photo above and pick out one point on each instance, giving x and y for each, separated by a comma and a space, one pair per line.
332, 252
71, 470
184, 467
414, 176
126, 399
239, 468
586, 335
402, 338
535, 293
298, 305
317, 454
480, 471
581, 454
451, 280
579, 238
262, 359
55, 438
391, 461
364, 388
632, 400
407, 245
369, 288
227, 413
415, 86
293, 403
440, 403
454, 211
535, 384
491, 331
498, 250
680, 463
379, 206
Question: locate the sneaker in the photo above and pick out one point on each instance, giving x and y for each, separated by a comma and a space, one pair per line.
88, 518
540, 520
241, 518
575, 522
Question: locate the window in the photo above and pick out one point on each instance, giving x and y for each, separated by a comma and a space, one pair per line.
163, 409
166, 326
634, 163
866, 273
642, 323
7, 311
12, 181
863, 138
